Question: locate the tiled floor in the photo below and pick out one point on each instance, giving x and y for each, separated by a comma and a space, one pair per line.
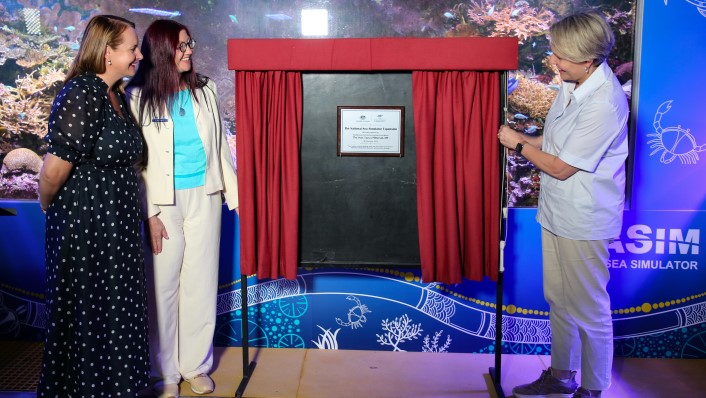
20, 363
296, 373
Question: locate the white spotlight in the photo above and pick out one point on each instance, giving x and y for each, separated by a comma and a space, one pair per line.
314, 22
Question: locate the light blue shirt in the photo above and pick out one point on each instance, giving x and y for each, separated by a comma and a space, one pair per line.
189, 154
586, 128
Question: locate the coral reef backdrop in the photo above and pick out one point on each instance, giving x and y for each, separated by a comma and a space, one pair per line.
39, 38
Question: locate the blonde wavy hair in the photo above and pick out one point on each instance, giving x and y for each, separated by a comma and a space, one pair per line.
582, 37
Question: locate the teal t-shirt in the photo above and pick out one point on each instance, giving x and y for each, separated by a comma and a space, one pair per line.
189, 155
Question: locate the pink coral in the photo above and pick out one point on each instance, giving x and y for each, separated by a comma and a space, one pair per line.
522, 21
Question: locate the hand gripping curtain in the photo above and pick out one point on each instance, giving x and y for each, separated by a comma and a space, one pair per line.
456, 119
268, 141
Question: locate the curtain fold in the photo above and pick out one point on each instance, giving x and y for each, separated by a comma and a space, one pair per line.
268, 141
456, 119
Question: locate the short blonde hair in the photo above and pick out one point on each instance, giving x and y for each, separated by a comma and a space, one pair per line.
582, 37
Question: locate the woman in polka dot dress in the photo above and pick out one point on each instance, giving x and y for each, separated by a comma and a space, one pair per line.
96, 332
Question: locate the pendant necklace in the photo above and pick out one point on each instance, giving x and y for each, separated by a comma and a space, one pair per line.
182, 112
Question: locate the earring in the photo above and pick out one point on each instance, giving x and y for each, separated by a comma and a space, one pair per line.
586, 69
111, 63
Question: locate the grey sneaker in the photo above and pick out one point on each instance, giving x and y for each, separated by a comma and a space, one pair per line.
547, 386
583, 393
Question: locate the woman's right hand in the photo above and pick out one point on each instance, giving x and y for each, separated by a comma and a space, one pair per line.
157, 232
508, 137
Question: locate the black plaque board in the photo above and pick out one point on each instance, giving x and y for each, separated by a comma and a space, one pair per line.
356, 210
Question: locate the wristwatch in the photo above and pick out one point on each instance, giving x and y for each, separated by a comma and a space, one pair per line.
519, 147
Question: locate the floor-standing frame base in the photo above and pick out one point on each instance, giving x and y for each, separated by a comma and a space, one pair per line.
248, 367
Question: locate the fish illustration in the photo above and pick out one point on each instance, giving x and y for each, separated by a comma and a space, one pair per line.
155, 12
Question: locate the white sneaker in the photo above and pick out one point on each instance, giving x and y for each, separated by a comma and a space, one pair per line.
202, 384
162, 390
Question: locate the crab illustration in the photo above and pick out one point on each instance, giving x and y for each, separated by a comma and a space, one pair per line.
700, 5
356, 315
673, 142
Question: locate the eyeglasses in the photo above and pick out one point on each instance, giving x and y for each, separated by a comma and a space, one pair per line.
182, 46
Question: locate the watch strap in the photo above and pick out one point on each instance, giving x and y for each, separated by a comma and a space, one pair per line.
518, 147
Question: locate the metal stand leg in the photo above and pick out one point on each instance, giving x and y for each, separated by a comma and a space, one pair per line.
495, 371
248, 367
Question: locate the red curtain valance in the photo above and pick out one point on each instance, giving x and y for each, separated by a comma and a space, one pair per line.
374, 54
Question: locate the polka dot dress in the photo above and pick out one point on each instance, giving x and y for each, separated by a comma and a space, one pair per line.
96, 335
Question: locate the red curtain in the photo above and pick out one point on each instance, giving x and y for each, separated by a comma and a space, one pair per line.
269, 123
456, 119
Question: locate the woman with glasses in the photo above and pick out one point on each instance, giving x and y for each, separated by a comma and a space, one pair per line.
189, 169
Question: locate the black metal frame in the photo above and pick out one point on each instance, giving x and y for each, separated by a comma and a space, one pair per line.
495, 372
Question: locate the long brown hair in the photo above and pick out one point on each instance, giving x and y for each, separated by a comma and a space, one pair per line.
101, 31
158, 76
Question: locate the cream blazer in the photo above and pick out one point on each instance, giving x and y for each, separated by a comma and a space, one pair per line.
158, 177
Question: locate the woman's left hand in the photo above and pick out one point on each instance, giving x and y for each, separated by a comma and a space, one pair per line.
157, 232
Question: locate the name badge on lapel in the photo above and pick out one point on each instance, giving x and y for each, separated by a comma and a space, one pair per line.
160, 120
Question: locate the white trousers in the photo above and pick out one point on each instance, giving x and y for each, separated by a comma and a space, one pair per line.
575, 277
183, 287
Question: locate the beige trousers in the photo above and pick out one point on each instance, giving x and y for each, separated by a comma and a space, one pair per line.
575, 275
183, 281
